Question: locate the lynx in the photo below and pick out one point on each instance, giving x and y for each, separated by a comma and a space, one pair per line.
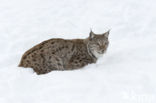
61, 54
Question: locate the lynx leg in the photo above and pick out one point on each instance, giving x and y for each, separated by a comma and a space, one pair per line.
41, 70
48, 63
54, 62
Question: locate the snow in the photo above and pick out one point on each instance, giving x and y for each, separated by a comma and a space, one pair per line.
125, 74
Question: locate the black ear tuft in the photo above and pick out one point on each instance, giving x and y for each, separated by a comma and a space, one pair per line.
106, 33
91, 34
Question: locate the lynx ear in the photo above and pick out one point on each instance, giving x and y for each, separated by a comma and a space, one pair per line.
106, 34
91, 34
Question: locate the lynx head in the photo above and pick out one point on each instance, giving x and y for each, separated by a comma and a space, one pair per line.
98, 43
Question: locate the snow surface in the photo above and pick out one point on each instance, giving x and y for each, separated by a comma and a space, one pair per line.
125, 74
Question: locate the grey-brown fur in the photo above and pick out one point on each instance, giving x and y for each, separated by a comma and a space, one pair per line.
61, 54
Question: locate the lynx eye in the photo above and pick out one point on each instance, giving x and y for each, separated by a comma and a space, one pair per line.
99, 44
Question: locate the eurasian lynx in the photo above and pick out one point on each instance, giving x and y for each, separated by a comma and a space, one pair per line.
61, 54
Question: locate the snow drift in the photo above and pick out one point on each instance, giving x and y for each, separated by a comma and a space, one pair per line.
125, 74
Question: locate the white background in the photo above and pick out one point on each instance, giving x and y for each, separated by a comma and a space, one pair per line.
125, 74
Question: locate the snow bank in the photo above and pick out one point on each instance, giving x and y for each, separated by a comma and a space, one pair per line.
126, 74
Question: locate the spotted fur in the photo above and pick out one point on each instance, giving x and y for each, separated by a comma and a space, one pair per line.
61, 54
